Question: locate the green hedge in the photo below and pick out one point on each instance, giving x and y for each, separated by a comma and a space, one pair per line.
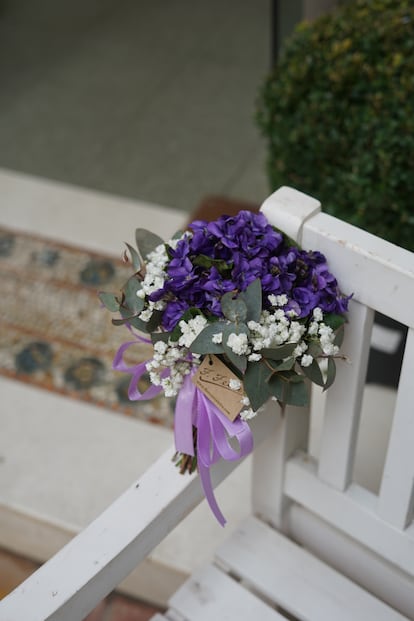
338, 115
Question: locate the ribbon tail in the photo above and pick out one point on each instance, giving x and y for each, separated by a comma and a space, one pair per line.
205, 478
183, 418
207, 455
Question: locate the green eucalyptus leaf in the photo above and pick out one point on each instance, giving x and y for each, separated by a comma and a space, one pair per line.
135, 258
289, 390
136, 322
203, 343
314, 349
178, 235
286, 365
330, 373
146, 241
121, 322
204, 261
314, 373
298, 394
233, 309
333, 320
278, 387
339, 336
132, 301
160, 336
155, 321
279, 353
255, 383
109, 300
252, 297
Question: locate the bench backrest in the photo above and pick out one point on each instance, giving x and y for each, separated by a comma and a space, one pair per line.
368, 536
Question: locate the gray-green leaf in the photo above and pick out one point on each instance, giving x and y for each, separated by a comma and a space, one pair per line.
132, 301
330, 373
135, 258
255, 384
146, 241
252, 297
314, 373
109, 300
233, 309
203, 343
279, 353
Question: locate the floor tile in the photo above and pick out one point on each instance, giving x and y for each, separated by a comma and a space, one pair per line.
124, 609
13, 570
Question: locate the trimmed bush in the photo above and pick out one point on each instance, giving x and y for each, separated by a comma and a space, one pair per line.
338, 115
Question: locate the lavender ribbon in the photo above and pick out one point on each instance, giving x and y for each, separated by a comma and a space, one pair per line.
194, 409
214, 431
136, 371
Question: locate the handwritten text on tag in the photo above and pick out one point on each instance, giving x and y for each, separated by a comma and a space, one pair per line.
213, 379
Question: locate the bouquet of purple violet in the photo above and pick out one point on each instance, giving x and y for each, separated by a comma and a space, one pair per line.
237, 313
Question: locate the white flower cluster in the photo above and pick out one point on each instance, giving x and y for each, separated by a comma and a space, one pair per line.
153, 280
274, 328
191, 329
172, 357
246, 412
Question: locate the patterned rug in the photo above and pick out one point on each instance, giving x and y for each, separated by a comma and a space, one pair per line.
54, 333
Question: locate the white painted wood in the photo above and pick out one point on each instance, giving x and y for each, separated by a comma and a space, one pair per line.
290, 434
77, 578
355, 512
379, 274
344, 399
293, 578
397, 488
80, 216
212, 594
86, 569
352, 559
287, 209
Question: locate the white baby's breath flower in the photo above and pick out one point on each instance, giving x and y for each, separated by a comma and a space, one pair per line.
146, 314
299, 349
280, 315
329, 349
238, 343
234, 384
217, 338
313, 328
191, 329
160, 347
254, 357
155, 378
247, 414
306, 360
317, 314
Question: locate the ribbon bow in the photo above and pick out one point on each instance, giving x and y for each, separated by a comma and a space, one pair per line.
194, 409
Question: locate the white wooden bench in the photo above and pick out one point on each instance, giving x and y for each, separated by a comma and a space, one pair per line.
318, 546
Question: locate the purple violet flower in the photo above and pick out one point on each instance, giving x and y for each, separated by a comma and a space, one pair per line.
230, 253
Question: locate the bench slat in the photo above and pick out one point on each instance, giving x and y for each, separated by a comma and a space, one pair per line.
343, 401
397, 488
212, 594
354, 512
297, 581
